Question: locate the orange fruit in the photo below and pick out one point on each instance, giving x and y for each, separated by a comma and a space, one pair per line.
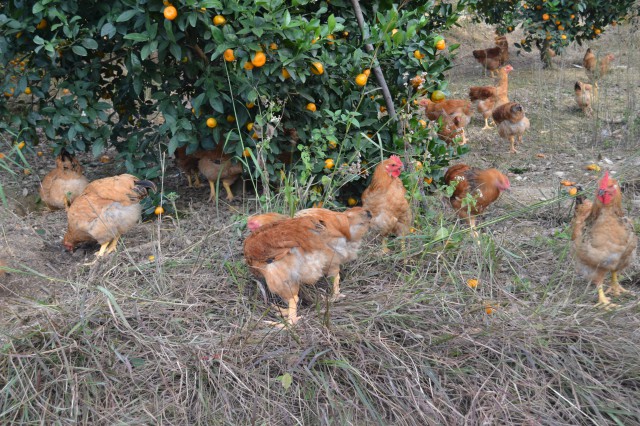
273, 46
152, 258
597, 31
572, 191
259, 59
27, 91
27, 172
228, 55
39, 153
441, 44
418, 55
42, 24
361, 79
170, 12
255, 136
250, 105
246, 153
488, 310
311, 107
563, 36
285, 74
212, 122
329, 163
21, 145
419, 165
422, 123
545, 17
352, 202
248, 65
231, 118
437, 96
557, 22
317, 68
473, 283
572, 16
249, 126
219, 20
158, 211
428, 180
567, 183
1, 156
331, 37
105, 159
333, 144
367, 72
560, 28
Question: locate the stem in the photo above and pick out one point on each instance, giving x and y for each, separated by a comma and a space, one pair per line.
386, 94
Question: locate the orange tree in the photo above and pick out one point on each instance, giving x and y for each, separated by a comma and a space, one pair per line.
551, 25
278, 83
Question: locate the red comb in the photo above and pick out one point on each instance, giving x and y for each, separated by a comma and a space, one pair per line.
604, 182
395, 158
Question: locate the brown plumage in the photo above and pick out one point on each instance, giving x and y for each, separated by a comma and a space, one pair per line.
512, 123
215, 165
490, 97
258, 220
584, 94
291, 252
596, 69
603, 238
452, 129
64, 183
489, 58
188, 163
455, 113
385, 199
106, 209
503, 44
484, 185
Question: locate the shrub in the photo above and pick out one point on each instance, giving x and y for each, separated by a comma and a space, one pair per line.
120, 74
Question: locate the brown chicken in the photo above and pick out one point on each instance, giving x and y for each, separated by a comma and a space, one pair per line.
489, 59
258, 220
503, 44
64, 183
596, 69
452, 130
106, 209
188, 163
603, 238
484, 185
215, 165
455, 113
385, 199
490, 97
291, 252
584, 95
512, 123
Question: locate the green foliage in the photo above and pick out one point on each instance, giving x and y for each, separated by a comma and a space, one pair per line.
567, 20
119, 74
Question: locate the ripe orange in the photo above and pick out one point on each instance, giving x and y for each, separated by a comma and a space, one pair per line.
333, 144
158, 211
311, 107
428, 180
418, 55
437, 96
285, 74
27, 91
273, 46
557, 22
21, 145
250, 105
367, 72
361, 79
473, 283
572, 191
246, 153
331, 37
248, 65
352, 202
597, 31
42, 24
572, 16
563, 36
39, 153
567, 183
249, 126
212, 122
422, 123
229, 56
170, 13
488, 310
545, 17
560, 27
329, 163
441, 44
317, 68
219, 20
259, 59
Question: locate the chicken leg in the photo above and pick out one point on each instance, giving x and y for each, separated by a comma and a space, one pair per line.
290, 313
512, 139
189, 180
227, 187
197, 182
486, 124
212, 196
616, 289
336, 288
472, 225
113, 244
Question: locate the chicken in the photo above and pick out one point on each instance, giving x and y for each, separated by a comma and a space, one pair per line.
385, 199
106, 209
455, 113
596, 69
215, 165
258, 220
490, 97
484, 185
188, 163
503, 44
584, 94
291, 252
452, 129
603, 238
489, 58
511, 122
64, 183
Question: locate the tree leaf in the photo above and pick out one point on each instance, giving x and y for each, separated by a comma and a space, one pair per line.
79, 50
126, 15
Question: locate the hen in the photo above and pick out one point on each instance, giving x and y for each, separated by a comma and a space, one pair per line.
188, 163
484, 185
490, 97
452, 129
596, 69
603, 238
106, 209
584, 94
489, 58
385, 199
512, 123
503, 44
455, 113
215, 165
291, 252
64, 183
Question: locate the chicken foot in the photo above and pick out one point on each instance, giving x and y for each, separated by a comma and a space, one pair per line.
616, 289
513, 150
486, 125
227, 187
336, 288
290, 314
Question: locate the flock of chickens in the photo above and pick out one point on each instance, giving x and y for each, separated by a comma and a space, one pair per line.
291, 251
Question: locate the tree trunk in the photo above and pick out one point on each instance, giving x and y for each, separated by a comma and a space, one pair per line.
545, 55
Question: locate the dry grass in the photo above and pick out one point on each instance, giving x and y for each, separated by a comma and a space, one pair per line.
181, 339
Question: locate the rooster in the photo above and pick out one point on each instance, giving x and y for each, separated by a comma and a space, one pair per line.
64, 183
385, 199
490, 97
484, 185
604, 239
106, 209
511, 122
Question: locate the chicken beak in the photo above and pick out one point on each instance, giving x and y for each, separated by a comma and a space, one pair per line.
147, 184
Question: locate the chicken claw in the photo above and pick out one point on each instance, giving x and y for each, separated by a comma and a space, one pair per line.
227, 188
290, 314
604, 301
616, 289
